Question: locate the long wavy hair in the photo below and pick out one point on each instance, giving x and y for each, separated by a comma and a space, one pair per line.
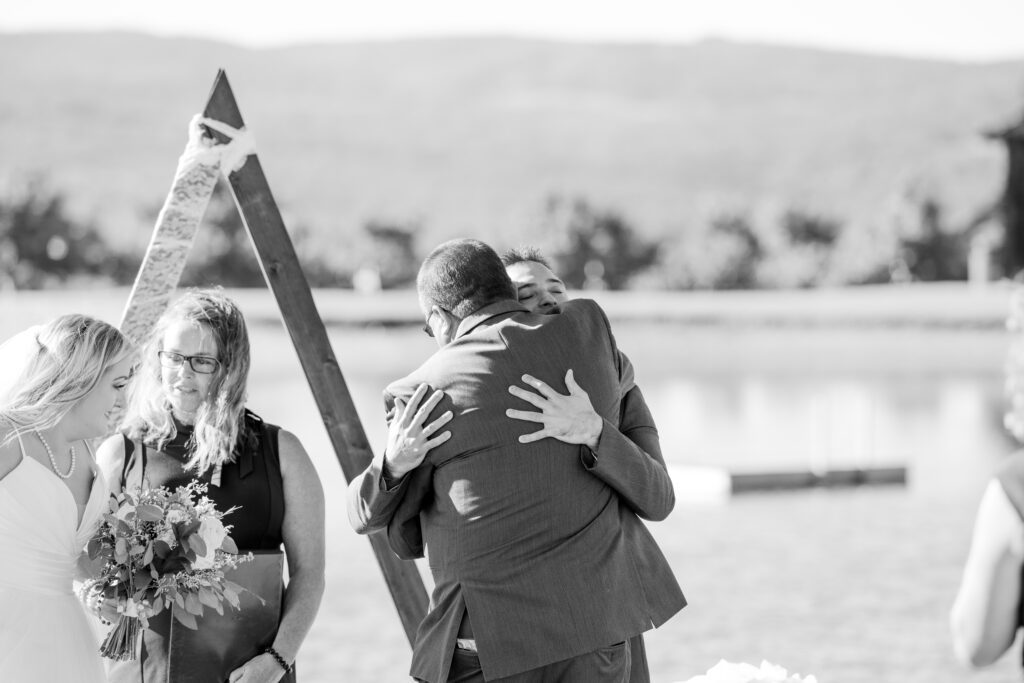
220, 420
65, 361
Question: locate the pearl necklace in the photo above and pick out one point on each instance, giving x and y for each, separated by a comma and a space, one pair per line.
53, 460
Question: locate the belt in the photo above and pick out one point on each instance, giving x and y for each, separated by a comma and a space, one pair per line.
468, 644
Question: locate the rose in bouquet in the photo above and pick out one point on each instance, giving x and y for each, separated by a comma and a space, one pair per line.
728, 672
156, 550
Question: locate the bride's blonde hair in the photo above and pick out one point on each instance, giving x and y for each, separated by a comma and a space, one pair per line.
220, 420
65, 360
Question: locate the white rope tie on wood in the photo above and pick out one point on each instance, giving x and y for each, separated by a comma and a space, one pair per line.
199, 166
233, 155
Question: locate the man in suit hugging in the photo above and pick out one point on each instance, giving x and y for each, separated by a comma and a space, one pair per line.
534, 577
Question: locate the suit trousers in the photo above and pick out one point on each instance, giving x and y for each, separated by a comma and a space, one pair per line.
609, 664
639, 670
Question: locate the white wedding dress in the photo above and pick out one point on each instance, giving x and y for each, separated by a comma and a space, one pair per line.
45, 636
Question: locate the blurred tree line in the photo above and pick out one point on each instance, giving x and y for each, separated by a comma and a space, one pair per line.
591, 247
40, 246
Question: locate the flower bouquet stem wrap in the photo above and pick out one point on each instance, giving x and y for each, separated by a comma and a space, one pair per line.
123, 640
158, 549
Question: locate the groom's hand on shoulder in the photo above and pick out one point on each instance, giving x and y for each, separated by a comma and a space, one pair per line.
410, 437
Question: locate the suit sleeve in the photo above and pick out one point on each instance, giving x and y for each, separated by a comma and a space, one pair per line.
627, 376
629, 460
405, 535
371, 504
372, 501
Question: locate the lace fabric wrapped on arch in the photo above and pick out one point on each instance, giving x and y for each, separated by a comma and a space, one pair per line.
199, 167
157, 550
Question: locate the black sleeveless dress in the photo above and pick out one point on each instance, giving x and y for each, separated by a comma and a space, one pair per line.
170, 652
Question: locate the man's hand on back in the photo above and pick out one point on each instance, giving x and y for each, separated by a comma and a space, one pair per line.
409, 440
570, 418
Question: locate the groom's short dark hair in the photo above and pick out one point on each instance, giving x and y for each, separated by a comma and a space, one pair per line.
462, 276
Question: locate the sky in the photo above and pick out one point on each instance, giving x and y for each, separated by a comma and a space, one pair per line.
959, 30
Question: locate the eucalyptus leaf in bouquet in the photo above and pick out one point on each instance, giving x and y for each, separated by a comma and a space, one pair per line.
158, 549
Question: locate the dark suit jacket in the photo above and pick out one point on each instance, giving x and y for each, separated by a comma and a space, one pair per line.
533, 543
648, 496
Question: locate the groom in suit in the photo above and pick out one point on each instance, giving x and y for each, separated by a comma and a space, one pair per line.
534, 575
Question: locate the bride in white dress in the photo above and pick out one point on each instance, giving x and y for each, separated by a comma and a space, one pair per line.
58, 383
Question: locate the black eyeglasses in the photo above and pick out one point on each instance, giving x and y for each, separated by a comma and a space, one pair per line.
203, 365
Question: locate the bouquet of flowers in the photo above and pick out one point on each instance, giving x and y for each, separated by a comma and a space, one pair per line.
157, 550
727, 672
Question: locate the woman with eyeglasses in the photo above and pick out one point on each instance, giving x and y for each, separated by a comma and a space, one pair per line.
186, 420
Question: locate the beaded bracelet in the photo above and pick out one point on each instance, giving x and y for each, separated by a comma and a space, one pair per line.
280, 660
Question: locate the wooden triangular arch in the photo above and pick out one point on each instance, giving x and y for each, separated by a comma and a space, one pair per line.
159, 275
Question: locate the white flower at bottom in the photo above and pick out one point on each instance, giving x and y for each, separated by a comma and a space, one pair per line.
728, 672
213, 534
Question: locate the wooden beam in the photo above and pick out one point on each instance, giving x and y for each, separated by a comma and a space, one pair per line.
302, 320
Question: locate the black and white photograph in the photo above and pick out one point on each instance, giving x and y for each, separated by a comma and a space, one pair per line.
512, 342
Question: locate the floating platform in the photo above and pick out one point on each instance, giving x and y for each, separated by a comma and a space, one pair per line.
699, 484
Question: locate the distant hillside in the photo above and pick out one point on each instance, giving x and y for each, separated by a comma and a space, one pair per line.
470, 135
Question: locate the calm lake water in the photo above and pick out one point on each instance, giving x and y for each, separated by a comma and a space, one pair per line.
853, 585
